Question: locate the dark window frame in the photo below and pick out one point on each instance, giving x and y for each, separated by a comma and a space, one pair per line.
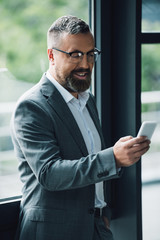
117, 28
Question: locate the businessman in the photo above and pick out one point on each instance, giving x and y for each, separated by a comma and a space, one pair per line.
63, 163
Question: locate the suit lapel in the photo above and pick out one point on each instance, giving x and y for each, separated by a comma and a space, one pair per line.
94, 115
57, 102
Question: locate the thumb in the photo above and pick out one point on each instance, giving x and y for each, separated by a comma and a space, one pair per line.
126, 138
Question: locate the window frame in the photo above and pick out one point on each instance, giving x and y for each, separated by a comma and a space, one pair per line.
120, 63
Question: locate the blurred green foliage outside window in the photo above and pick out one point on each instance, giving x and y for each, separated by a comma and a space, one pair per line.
23, 29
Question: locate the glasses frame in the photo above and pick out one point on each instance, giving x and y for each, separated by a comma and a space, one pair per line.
81, 54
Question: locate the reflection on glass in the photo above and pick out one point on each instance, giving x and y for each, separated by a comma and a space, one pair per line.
151, 161
150, 16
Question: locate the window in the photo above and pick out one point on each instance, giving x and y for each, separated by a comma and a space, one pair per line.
150, 16
10, 90
23, 59
150, 162
150, 96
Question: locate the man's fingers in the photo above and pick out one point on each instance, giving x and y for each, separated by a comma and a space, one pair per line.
131, 140
137, 141
128, 150
141, 146
142, 151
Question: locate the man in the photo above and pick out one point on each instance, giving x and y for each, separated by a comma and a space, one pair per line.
58, 141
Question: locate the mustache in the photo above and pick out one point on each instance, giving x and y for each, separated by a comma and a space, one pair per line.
81, 70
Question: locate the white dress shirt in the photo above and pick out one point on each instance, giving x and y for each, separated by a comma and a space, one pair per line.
86, 126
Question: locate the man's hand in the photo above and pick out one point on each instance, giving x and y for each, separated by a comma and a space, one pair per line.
128, 150
106, 221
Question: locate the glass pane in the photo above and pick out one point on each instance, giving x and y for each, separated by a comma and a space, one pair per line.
23, 60
150, 16
151, 160
10, 90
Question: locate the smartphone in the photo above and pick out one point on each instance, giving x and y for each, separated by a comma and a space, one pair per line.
147, 128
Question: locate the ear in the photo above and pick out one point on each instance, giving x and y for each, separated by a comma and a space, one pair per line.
50, 55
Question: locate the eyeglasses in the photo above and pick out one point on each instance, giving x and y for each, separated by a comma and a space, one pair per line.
77, 56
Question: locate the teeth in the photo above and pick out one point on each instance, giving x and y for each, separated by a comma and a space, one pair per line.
81, 74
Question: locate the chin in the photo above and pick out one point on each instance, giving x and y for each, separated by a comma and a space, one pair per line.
76, 85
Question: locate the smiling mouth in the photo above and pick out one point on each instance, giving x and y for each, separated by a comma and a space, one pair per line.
81, 75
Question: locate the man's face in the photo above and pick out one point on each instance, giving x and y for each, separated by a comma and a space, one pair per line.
75, 77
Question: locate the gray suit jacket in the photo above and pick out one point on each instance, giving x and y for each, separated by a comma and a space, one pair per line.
58, 174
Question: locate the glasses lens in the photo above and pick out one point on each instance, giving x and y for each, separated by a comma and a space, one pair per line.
76, 54
96, 54
93, 56
76, 57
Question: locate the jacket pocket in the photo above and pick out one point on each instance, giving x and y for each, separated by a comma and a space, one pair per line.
45, 215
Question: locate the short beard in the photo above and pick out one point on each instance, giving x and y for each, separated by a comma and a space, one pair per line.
75, 85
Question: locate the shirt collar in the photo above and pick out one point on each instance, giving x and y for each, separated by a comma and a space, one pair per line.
65, 94
68, 97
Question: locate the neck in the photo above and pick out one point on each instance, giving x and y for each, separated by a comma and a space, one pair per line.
75, 94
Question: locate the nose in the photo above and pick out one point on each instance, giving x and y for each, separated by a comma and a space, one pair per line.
84, 62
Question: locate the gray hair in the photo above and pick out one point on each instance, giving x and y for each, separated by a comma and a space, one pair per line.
65, 24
